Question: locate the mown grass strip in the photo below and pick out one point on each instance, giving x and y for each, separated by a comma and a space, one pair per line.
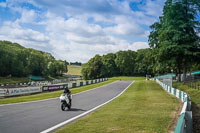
47, 95
144, 107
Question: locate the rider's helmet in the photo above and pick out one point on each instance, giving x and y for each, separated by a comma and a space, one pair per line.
67, 90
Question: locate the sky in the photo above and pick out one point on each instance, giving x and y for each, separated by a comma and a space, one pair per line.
77, 30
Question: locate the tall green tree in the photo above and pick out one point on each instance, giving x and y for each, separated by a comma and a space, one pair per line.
85, 71
144, 62
93, 68
175, 37
109, 67
125, 61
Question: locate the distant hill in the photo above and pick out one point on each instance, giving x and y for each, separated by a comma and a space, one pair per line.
74, 70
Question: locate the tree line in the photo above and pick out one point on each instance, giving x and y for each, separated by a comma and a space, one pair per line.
129, 63
174, 47
122, 63
76, 63
19, 61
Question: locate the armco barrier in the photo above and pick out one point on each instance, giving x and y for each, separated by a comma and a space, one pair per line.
20, 91
84, 83
4, 92
54, 87
81, 83
72, 84
184, 124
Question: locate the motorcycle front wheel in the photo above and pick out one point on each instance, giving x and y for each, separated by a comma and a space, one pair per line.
69, 104
63, 107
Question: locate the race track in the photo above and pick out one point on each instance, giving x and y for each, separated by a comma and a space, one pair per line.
35, 117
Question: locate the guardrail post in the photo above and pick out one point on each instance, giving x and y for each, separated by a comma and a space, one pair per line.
180, 95
189, 105
188, 121
174, 91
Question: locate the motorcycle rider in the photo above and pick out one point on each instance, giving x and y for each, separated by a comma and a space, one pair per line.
68, 93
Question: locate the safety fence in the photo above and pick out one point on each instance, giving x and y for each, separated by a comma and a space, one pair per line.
36, 83
6, 92
184, 124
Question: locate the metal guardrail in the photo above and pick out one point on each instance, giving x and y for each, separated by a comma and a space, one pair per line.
165, 76
184, 124
6, 92
2, 92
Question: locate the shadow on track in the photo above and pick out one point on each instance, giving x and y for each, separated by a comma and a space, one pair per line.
74, 109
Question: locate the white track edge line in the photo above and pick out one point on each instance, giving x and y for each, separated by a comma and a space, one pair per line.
57, 97
81, 115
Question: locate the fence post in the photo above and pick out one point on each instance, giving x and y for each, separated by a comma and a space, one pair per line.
175, 91
188, 116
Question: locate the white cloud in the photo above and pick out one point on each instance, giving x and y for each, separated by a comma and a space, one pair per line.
126, 28
153, 8
3, 4
122, 45
78, 31
76, 40
76, 25
139, 45
12, 31
28, 16
85, 52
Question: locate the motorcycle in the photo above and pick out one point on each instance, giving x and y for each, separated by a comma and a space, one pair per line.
66, 101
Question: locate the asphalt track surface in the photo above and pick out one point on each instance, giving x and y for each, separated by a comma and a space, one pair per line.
35, 117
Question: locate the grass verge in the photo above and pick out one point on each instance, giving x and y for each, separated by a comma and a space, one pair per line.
47, 95
195, 98
144, 107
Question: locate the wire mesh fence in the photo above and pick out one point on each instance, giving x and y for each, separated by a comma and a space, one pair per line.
193, 82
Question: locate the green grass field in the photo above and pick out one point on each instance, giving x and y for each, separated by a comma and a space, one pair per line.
48, 95
74, 70
195, 98
127, 78
144, 107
